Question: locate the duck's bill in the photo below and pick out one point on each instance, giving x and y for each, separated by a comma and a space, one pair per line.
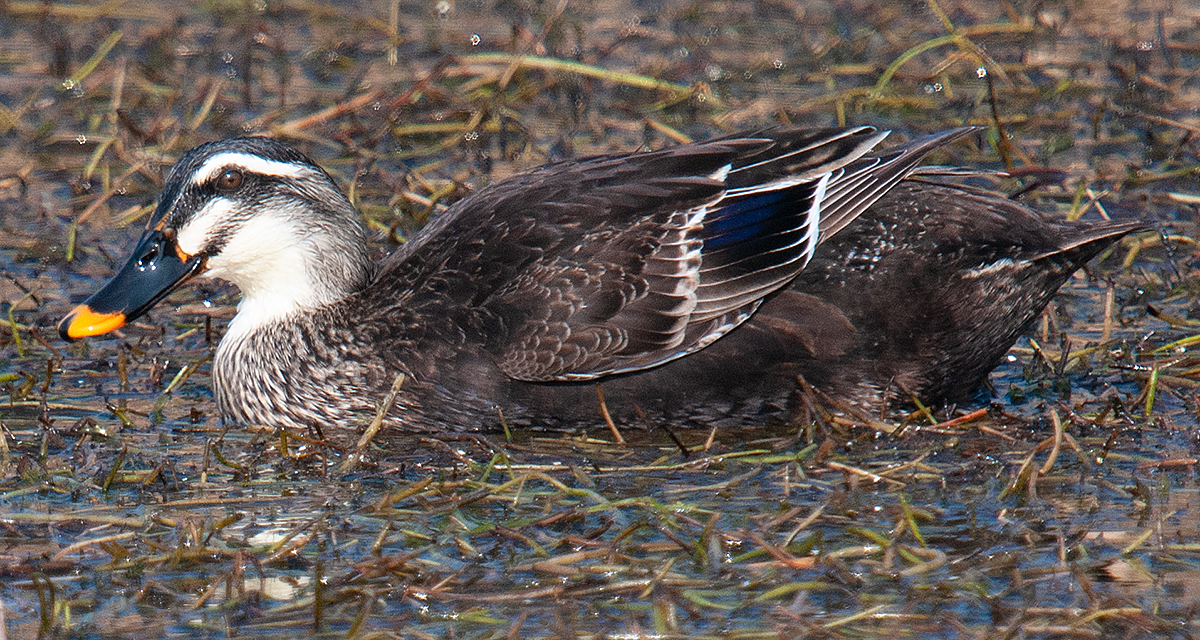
156, 268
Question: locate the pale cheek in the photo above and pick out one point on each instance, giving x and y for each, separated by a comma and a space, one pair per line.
219, 266
190, 239
247, 265
193, 237
276, 269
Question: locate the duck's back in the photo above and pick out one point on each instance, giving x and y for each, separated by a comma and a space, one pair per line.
614, 265
937, 282
923, 295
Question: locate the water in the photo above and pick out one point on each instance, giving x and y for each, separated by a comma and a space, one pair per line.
128, 510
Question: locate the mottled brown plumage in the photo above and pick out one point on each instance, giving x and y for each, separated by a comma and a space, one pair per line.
937, 282
668, 277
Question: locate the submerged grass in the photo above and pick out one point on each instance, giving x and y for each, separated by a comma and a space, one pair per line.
1066, 507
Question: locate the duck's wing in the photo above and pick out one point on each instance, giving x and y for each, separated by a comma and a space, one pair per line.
616, 264
869, 178
927, 291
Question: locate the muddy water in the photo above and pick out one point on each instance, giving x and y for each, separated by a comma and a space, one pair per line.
127, 509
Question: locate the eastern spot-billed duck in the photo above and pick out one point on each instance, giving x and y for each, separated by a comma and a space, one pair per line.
670, 277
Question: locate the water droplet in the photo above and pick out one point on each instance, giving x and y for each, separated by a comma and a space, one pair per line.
443, 8
1145, 45
778, 63
981, 72
227, 57
475, 39
81, 139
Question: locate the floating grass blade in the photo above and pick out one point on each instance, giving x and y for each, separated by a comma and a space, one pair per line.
1151, 391
579, 68
92, 62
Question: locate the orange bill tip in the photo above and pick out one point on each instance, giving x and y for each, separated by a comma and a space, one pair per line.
83, 322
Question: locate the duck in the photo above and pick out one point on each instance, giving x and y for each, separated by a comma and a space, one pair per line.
698, 284
926, 293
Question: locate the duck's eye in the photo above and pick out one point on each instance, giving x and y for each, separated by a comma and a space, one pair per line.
230, 180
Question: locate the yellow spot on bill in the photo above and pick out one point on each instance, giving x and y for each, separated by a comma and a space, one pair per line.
83, 322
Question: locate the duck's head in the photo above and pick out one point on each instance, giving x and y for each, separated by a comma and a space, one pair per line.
252, 211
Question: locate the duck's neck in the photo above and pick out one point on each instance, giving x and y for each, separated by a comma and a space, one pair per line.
274, 364
284, 272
